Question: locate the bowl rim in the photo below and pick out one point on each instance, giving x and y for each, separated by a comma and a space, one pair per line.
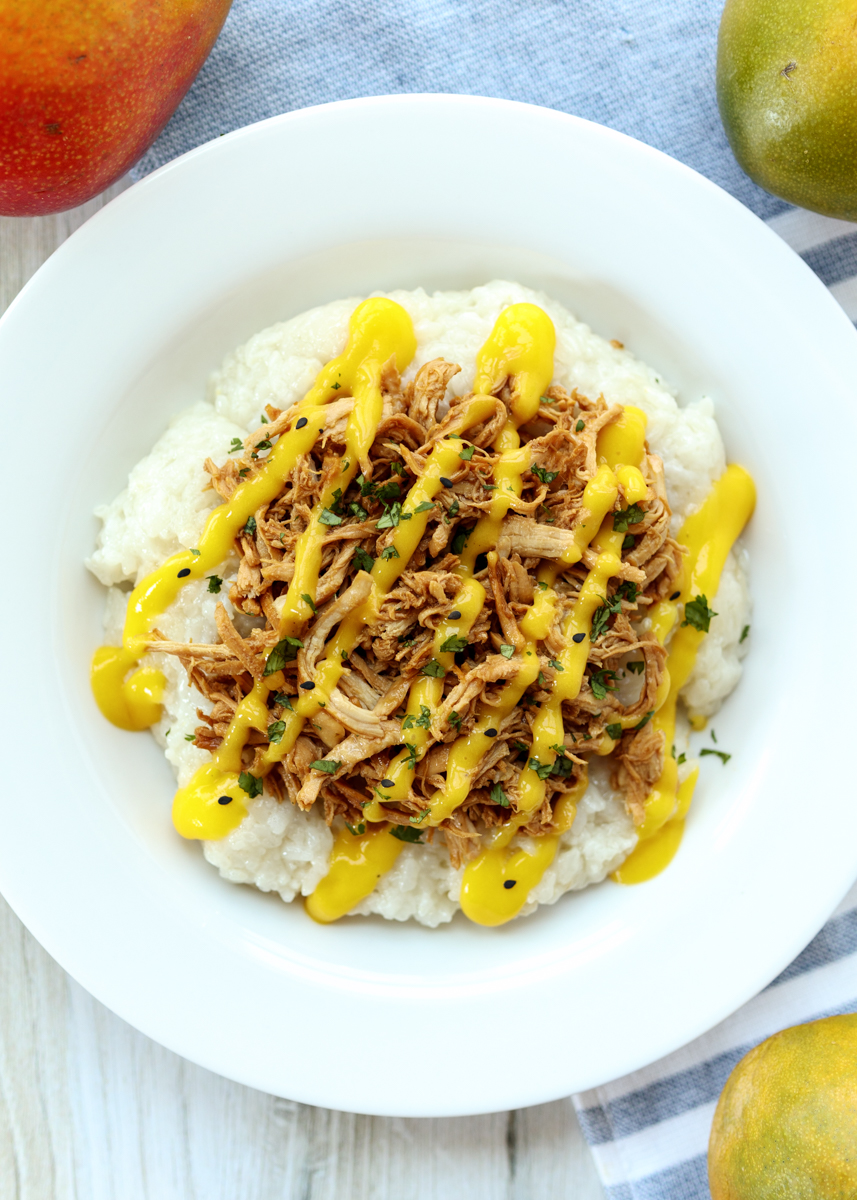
54, 932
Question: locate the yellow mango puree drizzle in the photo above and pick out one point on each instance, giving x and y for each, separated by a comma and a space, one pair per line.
708, 534
497, 883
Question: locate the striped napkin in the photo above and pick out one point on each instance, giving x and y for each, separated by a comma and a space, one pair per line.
646, 68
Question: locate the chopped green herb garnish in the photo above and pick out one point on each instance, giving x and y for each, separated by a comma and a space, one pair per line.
637, 667
454, 644
423, 720
507, 651
249, 526
559, 748
629, 542
378, 792
644, 720
698, 614
543, 475
411, 760
455, 720
188, 737
264, 420
367, 487
555, 665
389, 490
433, 669
424, 506
562, 766
275, 731
236, 445
196, 553
336, 386
389, 552
356, 830
460, 540
581, 424
285, 651
392, 516
627, 591
714, 737
681, 760
283, 699
498, 796
328, 765
399, 468
357, 510
452, 511
215, 583
265, 444
309, 601
405, 834
724, 758
251, 784
600, 684
420, 817
744, 633
328, 517
541, 679
546, 400
614, 730
632, 515
466, 453
520, 747
541, 769
362, 560
542, 585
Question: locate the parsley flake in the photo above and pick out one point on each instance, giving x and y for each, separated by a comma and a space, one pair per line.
697, 614
454, 644
362, 560
744, 633
455, 720
600, 684
215, 583
423, 720
285, 651
356, 831
424, 506
557, 666
275, 732
405, 834
724, 758
498, 796
614, 730
329, 518
466, 453
543, 475
283, 699
411, 760
579, 427
236, 445
433, 669
541, 769
507, 651
636, 668
389, 552
309, 601
249, 526
632, 515
328, 765
251, 784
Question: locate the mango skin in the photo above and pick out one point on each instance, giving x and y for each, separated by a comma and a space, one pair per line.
787, 92
785, 1127
85, 88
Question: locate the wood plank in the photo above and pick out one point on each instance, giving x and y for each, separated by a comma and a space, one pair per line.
90, 1109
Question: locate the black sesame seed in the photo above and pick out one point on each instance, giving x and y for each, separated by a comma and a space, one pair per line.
455, 616
184, 572
509, 883
388, 783
446, 482
302, 421
224, 799
490, 732
675, 595
578, 637
308, 686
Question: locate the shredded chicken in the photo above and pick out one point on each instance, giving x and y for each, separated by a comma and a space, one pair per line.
359, 731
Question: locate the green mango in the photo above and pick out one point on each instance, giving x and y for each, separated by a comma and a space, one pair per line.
787, 91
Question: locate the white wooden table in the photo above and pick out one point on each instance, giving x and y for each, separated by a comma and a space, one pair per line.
92, 1110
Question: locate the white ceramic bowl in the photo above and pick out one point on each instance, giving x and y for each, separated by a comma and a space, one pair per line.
119, 330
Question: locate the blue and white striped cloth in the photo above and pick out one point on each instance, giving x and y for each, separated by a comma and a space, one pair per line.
645, 67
